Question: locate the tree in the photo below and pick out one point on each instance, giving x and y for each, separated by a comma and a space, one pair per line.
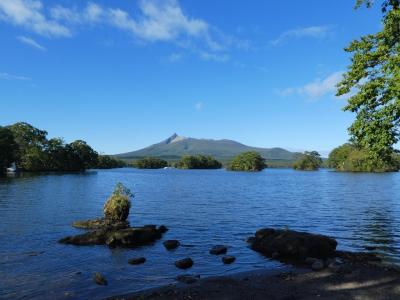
8, 148
247, 161
57, 155
31, 144
374, 78
109, 162
81, 156
198, 162
151, 163
350, 158
309, 161
339, 155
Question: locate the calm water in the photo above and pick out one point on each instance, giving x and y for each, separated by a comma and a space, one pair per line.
201, 208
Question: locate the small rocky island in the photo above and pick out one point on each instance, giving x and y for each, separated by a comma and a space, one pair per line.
113, 229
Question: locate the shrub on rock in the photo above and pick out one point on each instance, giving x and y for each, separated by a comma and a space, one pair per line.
117, 206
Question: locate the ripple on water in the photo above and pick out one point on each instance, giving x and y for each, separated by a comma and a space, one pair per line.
201, 209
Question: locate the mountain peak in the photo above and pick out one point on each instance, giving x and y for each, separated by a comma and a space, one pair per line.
174, 138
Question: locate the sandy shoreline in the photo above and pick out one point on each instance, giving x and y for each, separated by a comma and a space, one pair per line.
358, 281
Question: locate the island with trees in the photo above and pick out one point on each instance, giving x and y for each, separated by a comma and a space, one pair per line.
31, 151
250, 161
150, 163
198, 162
308, 161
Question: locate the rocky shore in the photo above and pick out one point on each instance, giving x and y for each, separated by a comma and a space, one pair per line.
360, 281
315, 270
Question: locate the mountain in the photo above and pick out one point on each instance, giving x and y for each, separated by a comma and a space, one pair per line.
175, 146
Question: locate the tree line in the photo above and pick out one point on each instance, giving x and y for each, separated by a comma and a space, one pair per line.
30, 149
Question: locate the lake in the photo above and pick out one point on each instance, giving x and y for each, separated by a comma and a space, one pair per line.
201, 208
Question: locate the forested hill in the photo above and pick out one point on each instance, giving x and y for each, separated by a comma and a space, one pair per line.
176, 146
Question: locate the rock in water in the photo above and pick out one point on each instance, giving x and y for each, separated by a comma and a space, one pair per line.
137, 261
99, 279
184, 263
292, 244
228, 259
127, 237
163, 229
100, 224
117, 206
171, 244
218, 249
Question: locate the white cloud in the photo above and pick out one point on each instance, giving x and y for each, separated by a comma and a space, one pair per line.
29, 14
30, 42
315, 89
312, 32
7, 76
199, 106
153, 21
158, 20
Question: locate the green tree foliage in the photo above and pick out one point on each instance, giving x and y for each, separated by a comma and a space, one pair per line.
36, 153
309, 161
350, 158
198, 162
8, 149
84, 157
151, 163
339, 155
373, 81
31, 145
248, 161
109, 162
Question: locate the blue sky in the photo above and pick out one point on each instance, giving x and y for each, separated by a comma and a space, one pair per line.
125, 74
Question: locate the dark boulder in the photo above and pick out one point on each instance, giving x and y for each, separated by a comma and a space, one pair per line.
218, 249
171, 244
292, 244
162, 229
126, 237
228, 259
137, 261
184, 263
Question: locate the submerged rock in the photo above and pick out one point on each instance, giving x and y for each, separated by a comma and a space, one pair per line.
99, 279
184, 263
171, 244
228, 259
126, 237
218, 249
292, 244
137, 261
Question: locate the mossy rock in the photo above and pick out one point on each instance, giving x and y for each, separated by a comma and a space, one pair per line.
100, 224
117, 208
